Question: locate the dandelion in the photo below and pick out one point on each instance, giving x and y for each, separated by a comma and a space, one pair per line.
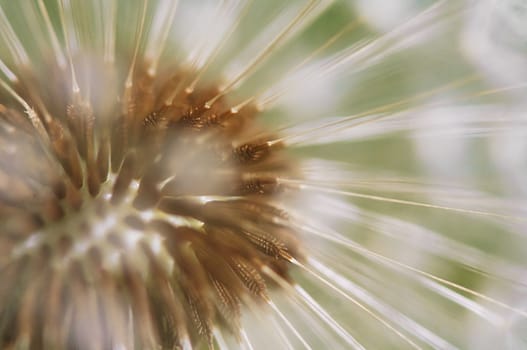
243, 174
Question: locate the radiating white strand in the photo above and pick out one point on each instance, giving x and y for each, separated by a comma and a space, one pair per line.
340, 176
307, 134
207, 59
507, 88
65, 23
356, 302
207, 36
138, 37
462, 301
320, 312
109, 12
7, 72
397, 265
305, 319
432, 285
374, 114
389, 312
439, 245
32, 20
281, 333
161, 26
370, 273
289, 325
15, 46
278, 40
441, 119
352, 60
344, 210
463, 122
332, 173
187, 344
86, 24
298, 75
86, 35
219, 339
59, 54
435, 120
493, 42
129, 82
259, 316
98, 20
388, 43
302, 184
286, 23
69, 26
246, 340
299, 301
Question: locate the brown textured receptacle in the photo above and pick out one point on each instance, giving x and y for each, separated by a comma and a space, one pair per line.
157, 213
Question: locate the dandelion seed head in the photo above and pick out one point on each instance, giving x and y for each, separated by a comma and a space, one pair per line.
133, 181
140, 198
183, 175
